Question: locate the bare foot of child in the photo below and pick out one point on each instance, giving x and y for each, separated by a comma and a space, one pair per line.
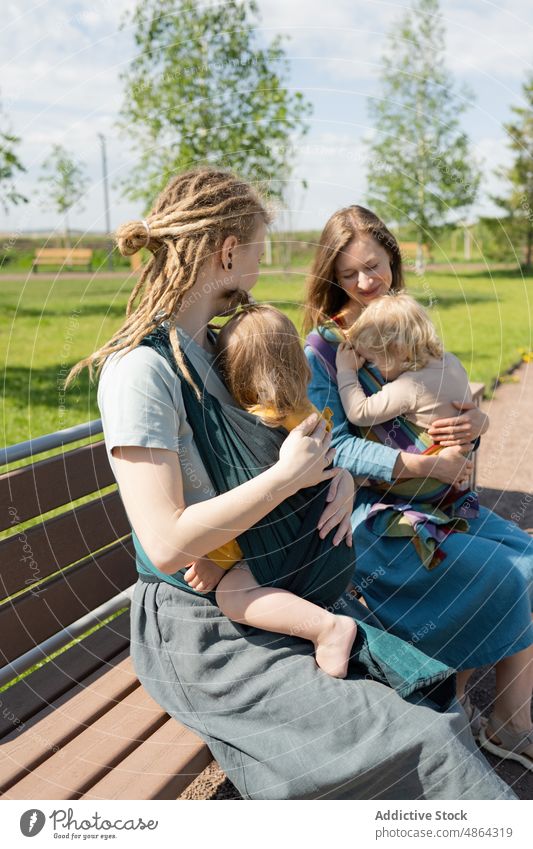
333, 645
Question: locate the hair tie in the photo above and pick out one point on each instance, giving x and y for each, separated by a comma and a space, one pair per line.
144, 222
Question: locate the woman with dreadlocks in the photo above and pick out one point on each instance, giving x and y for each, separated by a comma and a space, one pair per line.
195, 471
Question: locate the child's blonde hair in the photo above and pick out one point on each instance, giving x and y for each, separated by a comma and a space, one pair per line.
396, 324
261, 358
190, 220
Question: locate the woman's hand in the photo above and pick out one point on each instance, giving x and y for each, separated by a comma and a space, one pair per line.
306, 453
339, 509
452, 466
460, 429
347, 358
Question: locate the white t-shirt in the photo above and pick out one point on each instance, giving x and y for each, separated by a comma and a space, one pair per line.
140, 402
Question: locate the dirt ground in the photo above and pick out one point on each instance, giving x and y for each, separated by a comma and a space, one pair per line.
505, 484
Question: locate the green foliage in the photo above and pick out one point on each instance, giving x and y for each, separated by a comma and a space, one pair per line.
201, 90
10, 165
519, 202
420, 169
64, 180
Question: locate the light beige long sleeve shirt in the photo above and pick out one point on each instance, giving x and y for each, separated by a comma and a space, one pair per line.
420, 396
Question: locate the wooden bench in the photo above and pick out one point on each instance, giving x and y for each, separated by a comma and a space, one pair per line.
80, 726
477, 390
64, 257
408, 250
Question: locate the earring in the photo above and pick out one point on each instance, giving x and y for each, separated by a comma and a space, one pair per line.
230, 264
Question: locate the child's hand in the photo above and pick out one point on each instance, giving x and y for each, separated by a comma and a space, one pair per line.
204, 575
347, 358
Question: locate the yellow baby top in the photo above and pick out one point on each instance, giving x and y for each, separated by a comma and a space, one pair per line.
230, 553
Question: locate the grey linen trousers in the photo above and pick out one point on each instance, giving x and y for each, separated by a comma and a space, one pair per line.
280, 727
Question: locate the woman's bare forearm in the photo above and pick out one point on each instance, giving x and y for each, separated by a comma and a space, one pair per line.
416, 466
173, 533
450, 466
206, 525
411, 466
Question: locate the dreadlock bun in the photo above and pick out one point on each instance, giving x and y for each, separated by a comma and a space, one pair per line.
188, 223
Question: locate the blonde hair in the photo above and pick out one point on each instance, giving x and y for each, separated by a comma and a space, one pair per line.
261, 358
325, 295
189, 222
397, 325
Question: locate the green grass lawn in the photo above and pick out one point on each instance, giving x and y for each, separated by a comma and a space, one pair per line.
47, 326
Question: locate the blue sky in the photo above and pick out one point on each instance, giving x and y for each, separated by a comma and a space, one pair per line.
60, 84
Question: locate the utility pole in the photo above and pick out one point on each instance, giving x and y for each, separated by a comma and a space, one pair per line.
106, 198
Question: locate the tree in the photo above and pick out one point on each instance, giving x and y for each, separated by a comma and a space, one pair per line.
519, 202
202, 90
65, 183
10, 165
420, 166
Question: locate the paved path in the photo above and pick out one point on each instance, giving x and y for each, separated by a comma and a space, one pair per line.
505, 485
505, 461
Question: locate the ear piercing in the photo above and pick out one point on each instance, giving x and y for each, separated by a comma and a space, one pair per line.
230, 264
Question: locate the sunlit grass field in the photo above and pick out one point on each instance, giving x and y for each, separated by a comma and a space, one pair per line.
47, 326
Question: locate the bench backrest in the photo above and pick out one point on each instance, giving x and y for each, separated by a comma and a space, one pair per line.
62, 567
410, 249
62, 254
75, 722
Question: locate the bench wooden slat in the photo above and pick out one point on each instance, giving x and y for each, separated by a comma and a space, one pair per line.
37, 615
412, 247
55, 482
477, 390
162, 768
60, 541
91, 656
50, 253
63, 257
59, 722
72, 771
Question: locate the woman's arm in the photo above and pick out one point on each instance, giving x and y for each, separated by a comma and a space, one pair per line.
360, 456
173, 534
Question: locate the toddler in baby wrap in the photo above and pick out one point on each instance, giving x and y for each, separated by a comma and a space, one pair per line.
417, 382
261, 358
396, 335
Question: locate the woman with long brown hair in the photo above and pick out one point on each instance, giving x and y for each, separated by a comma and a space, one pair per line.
474, 607
278, 725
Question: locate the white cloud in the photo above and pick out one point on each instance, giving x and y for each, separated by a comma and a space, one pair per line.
482, 36
489, 38
492, 153
62, 59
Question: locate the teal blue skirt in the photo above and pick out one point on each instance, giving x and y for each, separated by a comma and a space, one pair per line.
473, 609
